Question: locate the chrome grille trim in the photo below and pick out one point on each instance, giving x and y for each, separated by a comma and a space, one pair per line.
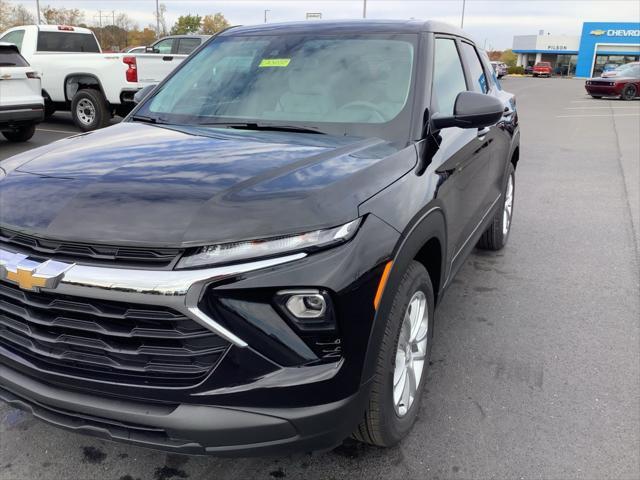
177, 289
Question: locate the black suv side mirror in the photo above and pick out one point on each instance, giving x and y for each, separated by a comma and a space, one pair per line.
140, 94
471, 110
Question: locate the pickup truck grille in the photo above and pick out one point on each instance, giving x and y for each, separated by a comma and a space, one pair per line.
106, 341
132, 256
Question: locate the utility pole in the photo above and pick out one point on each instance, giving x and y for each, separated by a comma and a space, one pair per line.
462, 19
364, 9
265, 15
38, 8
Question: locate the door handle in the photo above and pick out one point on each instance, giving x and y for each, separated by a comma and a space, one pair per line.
482, 132
167, 59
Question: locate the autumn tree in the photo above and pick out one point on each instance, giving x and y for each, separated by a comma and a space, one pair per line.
62, 16
213, 24
186, 24
509, 58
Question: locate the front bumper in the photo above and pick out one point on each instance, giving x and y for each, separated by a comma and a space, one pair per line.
183, 428
604, 90
262, 397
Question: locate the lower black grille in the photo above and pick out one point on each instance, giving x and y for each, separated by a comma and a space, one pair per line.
106, 341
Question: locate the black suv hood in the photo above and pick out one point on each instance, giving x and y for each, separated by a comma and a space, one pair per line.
135, 183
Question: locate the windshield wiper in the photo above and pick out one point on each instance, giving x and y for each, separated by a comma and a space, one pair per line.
264, 126
145, 119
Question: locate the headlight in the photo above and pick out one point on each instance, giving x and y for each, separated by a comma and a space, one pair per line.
252, 249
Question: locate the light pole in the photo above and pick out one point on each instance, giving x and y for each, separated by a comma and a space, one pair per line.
462, 19
364, 9
157, 19
38, 8
265, 15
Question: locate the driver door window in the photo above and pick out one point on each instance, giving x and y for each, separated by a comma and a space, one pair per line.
164, 46
448, 75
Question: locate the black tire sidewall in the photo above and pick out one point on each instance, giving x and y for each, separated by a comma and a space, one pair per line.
99, 105
628, 96
395, 428
22, 134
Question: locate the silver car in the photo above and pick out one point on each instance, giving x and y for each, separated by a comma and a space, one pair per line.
500, 68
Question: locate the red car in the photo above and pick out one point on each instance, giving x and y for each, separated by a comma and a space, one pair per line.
542, 68
626, 86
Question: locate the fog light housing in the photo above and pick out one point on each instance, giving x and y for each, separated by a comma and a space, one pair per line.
306, 305
308, 309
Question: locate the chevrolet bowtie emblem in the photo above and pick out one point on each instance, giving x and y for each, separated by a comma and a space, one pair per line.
598, 33
29, 274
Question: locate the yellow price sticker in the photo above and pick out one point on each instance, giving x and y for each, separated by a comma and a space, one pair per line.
275, 62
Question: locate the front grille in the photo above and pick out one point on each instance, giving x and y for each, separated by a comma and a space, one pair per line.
125, 256
105, 340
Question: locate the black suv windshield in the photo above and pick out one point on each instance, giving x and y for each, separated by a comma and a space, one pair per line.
331, 83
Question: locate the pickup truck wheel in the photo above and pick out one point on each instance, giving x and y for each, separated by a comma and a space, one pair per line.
21, 134
402, 362
89, 110
629, 92
495, 237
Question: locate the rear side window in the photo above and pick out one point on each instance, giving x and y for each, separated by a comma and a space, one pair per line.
67, 42
14, 37
448, 75
187, 45
11, 58
478, 77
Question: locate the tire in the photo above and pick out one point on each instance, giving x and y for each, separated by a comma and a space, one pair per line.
49, 109
386, 421
496, 236
21, 134
597, 96
535, 74
90, 110
629, 92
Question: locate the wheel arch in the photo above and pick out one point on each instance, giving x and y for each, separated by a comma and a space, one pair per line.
424, 241
75, 82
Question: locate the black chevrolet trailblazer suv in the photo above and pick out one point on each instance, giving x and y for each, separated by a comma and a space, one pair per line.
250, 263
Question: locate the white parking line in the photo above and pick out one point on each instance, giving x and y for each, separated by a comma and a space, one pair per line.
601, 115
56, 131
635, 107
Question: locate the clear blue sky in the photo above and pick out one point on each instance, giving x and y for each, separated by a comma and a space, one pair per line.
495, 21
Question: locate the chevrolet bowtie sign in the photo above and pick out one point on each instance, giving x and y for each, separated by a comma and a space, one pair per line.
29, 274
616, 33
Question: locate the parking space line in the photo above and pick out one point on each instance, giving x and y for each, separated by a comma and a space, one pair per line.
56, 131
634, 107
600, 115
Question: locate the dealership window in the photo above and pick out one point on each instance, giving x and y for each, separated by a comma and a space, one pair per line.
602, 60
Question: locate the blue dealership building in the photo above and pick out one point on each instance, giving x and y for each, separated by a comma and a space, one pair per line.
600, 44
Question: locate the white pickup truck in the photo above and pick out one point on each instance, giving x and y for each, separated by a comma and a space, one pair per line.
77, 76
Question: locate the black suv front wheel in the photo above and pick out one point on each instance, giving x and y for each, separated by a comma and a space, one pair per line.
402, 362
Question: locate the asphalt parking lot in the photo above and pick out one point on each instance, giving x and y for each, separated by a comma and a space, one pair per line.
536, 366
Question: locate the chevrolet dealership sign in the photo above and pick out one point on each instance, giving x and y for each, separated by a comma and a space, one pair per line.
616, 33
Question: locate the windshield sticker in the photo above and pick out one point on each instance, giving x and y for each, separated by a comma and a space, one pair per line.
275, 62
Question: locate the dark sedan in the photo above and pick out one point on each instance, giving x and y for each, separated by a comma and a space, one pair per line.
626, 87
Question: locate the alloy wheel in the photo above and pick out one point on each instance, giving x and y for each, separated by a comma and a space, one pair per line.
411, 353
508, 207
